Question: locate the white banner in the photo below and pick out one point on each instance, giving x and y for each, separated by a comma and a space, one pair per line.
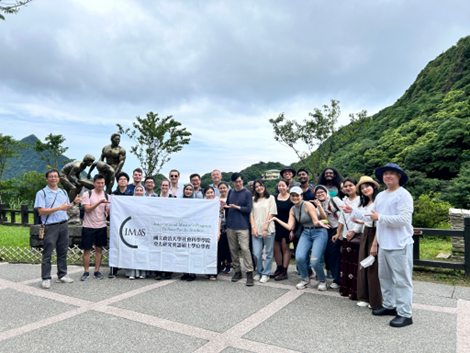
164, 234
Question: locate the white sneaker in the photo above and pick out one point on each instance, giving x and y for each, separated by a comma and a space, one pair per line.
369, 306
46, 284
256, 278
131, 277
334, 285
322, 286
303, 284
64, 279
264, 279
141, 277
362, 304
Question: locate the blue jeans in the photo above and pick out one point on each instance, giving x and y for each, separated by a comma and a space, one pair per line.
258, 244
316, 240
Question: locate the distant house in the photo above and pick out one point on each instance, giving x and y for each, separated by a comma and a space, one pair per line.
271, 174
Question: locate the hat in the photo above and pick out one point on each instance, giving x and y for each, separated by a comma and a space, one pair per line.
286, 168
366, 179
296, 190
379, 173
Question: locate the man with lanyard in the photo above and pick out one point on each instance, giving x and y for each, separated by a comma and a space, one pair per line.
216, 176
393, 211
238, 208
137, 176
195, 180
149, 185
302, 176
176, 189
52, 204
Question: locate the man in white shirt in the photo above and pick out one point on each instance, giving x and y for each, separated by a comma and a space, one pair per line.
393, 210
176, 189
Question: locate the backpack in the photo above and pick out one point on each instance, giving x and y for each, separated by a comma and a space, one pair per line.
82, 209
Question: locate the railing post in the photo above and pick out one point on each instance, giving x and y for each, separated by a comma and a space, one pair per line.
467, 245
12, 217
416, 247
24, 215
36, 216
2, 213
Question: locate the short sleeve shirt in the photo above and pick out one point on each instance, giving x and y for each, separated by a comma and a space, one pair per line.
97, 217
45, 199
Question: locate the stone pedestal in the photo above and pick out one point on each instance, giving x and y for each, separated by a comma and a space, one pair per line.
456, 216
74, 216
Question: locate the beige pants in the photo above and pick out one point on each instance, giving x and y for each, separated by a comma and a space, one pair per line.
240, 235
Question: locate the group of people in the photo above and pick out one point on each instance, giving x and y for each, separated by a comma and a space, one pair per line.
333, 226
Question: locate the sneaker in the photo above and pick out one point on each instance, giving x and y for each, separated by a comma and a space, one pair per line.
369, 306
85, 276
303, 284
322, 286
228, 269
362, 304
141, 277
111, 274
222, 268
46, 284
131, 277
167, 276
257, 278
264, 279
98, 275
334, 285
64, 279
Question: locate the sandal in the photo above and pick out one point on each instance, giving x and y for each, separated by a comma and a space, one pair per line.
213, 278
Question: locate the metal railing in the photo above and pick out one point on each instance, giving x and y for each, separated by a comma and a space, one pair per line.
24, 213
465, 233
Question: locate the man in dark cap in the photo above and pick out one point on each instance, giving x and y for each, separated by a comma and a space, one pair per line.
287, 173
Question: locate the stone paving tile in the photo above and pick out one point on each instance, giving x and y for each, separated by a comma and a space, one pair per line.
19, 309
462, 293
314, 323
98, 332
214, 306
23, 272
96, 290
234, 350
438, 290
434, 300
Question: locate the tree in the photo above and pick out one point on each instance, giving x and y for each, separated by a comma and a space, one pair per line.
156, 138
52, 150
9, 148
320, 134
11, 8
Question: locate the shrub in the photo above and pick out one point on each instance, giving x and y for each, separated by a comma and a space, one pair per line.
431, 212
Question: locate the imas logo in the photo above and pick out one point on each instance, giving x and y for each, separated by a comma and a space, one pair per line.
130, 233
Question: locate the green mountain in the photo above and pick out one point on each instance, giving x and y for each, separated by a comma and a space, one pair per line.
427, 130
29, 161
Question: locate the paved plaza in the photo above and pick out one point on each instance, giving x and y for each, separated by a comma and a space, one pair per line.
144, 315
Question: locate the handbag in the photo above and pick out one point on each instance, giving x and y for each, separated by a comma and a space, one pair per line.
299, 228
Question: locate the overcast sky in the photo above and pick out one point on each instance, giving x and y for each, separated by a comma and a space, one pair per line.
221, 68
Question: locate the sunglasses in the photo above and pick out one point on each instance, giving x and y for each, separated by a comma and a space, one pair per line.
173, 176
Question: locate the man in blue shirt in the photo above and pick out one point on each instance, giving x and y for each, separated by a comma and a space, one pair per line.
238, 207
149, 185
52, 204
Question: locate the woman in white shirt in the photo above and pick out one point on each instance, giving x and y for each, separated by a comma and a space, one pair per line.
368, 284
264, 208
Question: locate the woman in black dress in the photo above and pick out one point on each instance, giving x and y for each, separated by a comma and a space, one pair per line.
283, 236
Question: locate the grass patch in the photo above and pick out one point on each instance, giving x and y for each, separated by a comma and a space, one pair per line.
441, 276
14, 236
431, 246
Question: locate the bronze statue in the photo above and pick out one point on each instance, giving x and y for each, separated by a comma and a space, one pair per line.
105, 170
115, 157
71, 179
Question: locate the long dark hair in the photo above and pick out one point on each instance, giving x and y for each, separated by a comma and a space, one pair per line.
206, 189
336, 180
351, 180
365, 199
256, 194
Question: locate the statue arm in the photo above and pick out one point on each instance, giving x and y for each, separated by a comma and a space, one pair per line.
122, 159
103, 154
91, 169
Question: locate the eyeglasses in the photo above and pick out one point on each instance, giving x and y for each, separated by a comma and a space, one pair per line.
173, 176
52, 177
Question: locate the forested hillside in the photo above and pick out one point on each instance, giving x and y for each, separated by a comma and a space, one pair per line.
29, 161
427, 131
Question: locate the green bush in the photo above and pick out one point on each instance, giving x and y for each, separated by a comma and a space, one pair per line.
431, 212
